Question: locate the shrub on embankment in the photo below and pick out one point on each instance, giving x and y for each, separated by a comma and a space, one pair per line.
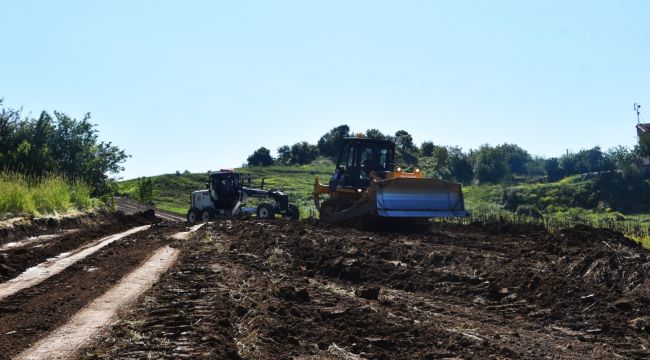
49, 194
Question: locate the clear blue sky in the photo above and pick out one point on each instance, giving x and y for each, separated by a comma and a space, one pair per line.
200, 85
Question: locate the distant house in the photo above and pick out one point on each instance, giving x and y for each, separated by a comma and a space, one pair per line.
644, 163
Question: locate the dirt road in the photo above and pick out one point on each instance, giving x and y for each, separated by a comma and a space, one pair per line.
94, 263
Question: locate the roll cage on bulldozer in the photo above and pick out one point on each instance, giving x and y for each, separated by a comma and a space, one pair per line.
368, 185
225, 196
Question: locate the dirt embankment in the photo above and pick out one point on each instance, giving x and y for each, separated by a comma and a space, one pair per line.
249, 289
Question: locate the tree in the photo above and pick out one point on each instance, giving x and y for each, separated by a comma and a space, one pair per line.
145, 189
516, 158
552, 169
329, 145
490, 164
303, 153
58, 144
449, 163
644, 145
460, 165
260, 157
437, 163
404, 141
624, 160
426, 149
375, 134
284, 154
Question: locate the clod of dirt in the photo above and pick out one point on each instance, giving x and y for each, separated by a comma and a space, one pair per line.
623, 304
292, 294
370, 292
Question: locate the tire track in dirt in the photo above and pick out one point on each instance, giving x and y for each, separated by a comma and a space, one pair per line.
35, 240
31, 314
14, 261
41, 272
66, 340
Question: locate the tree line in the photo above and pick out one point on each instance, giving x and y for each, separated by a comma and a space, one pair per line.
487, 164
58, 144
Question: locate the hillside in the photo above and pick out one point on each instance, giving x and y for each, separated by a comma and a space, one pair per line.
171, 191
570, 201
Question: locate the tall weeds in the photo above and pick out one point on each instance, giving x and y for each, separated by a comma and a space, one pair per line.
25, 195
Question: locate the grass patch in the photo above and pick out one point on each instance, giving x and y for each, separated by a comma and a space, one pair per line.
566, 203
51, 194
172, 191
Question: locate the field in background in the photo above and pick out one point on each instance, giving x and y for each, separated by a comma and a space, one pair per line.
172, 191
555, 205
53, 194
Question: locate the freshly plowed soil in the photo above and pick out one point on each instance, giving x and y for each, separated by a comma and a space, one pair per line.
14, 261
30, 314
26, 227
283, 290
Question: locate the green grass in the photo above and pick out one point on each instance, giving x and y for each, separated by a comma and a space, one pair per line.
562, 204
52, 194
172, 191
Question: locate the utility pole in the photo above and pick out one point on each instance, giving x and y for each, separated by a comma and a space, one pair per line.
637, 109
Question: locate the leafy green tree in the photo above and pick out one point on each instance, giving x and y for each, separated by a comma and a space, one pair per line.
516, 158
375, 134
535, 167
303, 153
437, 164
58, 144
260, 157
145, 189
460, 165
644, 145
624, 160
329, 145
284, 154
426, 149
490, 164
552, 169
449, 163
404, 141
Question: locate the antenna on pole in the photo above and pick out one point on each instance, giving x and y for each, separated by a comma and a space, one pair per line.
637, 108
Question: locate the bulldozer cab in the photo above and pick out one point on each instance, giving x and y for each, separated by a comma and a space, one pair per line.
359, 157
223, 187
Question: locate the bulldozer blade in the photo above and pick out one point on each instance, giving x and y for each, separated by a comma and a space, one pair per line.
418, 198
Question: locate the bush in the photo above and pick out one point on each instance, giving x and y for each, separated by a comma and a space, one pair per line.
261, 157
528, 210
57, 144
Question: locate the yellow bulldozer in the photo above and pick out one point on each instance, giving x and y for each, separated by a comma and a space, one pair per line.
367, 187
